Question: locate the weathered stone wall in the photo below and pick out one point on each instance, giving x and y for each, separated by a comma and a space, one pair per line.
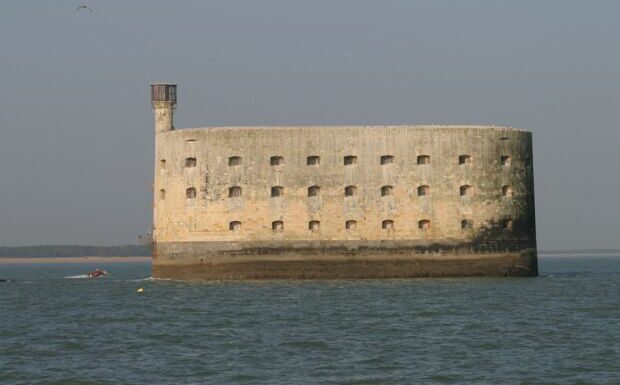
495, 193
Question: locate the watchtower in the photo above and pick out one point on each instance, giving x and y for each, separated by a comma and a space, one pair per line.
164, 101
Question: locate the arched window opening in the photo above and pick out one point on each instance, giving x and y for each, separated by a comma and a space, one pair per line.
387, 159
507, 224
350, 225
190, 162
276, 161
506, 191
313, 191
504, 160
235, 161
424, 159
314, 226
350, 191
234, 192
277, 191
350, 160
386, 190
464, 159
277, 226
234, 226
162, 194
424, 190
424, 224
162, 164
313, 160
190, 193
387, 224
466, 190
467, 224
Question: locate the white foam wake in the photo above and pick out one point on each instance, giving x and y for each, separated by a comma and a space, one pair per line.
77, 276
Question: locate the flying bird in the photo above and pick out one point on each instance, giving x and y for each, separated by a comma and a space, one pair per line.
84, 7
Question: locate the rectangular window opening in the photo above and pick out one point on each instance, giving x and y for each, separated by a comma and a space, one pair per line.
313, 160
350, 160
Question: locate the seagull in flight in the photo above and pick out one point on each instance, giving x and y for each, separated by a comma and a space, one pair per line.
84, 7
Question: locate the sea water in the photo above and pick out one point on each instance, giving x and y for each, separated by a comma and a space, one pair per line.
560, 328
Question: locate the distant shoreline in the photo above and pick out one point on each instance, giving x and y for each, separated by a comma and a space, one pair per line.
578, 254
94, 260
134, 259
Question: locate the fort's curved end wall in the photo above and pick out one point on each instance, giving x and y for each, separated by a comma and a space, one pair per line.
343, 202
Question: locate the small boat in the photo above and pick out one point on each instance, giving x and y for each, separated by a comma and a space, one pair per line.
97, 273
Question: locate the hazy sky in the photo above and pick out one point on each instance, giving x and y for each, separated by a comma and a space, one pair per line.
76, 131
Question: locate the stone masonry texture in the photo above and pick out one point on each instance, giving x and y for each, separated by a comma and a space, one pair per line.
476, 216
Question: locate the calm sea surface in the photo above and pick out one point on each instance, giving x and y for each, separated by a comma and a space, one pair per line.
560, 328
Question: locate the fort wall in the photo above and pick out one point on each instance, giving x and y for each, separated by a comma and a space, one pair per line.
260, 202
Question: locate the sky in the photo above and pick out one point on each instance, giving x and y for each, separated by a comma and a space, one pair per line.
76, 127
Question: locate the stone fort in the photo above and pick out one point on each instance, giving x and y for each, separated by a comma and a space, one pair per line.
340, 201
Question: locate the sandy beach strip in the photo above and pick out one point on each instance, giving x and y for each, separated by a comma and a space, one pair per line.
94, 260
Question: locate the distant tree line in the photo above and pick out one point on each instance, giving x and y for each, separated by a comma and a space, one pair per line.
71, 251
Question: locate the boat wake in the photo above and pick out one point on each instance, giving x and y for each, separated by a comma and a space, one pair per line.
81, 276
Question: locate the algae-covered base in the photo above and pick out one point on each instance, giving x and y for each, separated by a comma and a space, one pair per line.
364, 266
